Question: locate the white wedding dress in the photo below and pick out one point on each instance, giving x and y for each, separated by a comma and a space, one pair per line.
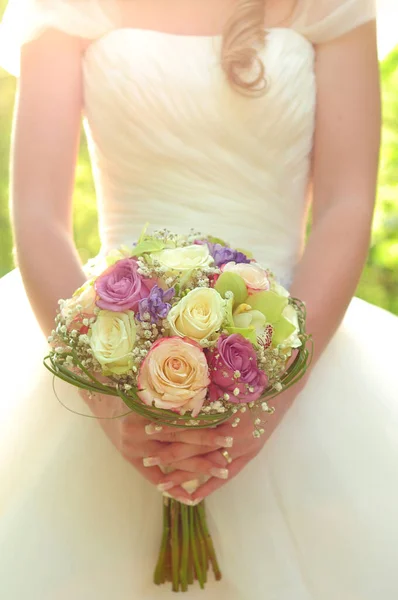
314, 516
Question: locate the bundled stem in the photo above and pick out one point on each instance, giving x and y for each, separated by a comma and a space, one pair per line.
186, 550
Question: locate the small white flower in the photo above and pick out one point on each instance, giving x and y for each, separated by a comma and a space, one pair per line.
217, 405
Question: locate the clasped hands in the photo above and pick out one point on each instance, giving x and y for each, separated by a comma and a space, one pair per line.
168, 457
214, 455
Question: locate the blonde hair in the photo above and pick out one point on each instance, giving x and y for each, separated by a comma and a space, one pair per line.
243, 37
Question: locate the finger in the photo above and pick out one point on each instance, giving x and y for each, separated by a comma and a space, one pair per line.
168, 454
155, 429
199, 437
199, 465
214, 484
133, 428
155, 475
224, 457
169, 483
132, 449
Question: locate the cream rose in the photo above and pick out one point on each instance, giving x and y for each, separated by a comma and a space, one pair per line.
254, 276
174, 375
198, 315
184, 259
112, 338
81, 303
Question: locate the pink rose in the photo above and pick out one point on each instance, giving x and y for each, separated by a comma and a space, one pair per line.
174, 375
234, 371
254, 276
120, 287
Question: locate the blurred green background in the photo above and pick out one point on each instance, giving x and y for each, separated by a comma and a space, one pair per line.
379, 282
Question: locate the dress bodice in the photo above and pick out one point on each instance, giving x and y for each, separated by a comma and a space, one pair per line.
174, 145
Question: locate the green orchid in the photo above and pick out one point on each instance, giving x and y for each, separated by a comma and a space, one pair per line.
273, 306
232, 282
231, 326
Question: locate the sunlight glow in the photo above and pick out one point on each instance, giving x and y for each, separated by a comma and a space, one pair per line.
387, 26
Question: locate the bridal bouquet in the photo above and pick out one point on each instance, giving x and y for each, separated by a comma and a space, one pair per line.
187, 331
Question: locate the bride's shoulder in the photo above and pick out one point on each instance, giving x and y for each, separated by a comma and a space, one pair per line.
26, 20
324, 20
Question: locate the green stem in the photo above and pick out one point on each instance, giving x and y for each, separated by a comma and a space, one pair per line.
184, 547
175, 544
209, 542
194, 548
190, 564
160, 570
202, 546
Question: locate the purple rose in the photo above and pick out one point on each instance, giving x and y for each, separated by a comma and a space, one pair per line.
223, 254
120, 287
234, 371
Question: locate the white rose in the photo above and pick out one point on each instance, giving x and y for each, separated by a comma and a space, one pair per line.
112, 338
82, 302
184, 259
198, 315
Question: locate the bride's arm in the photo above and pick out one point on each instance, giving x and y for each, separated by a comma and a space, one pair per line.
345, 164
45, 144
44, 148
345, 167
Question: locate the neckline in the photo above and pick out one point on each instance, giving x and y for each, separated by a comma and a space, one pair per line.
183, 36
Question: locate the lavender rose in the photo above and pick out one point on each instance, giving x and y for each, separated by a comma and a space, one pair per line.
234, 371
120, 287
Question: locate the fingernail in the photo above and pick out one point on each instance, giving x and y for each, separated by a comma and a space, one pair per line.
224, 442
152, 428
220, 473
190, 502
163, 487
166, 495
151, 461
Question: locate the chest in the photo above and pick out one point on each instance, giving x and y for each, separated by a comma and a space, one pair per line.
203, 17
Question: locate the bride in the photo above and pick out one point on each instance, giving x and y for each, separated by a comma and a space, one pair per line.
233, 117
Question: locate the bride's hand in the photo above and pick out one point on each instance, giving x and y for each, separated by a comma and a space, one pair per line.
129, 436
227, 461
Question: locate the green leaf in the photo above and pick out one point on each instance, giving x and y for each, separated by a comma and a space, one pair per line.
143, 235
268, 303
249, 333
232, 282
216, 240
245, 252
147, 246
282, 330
